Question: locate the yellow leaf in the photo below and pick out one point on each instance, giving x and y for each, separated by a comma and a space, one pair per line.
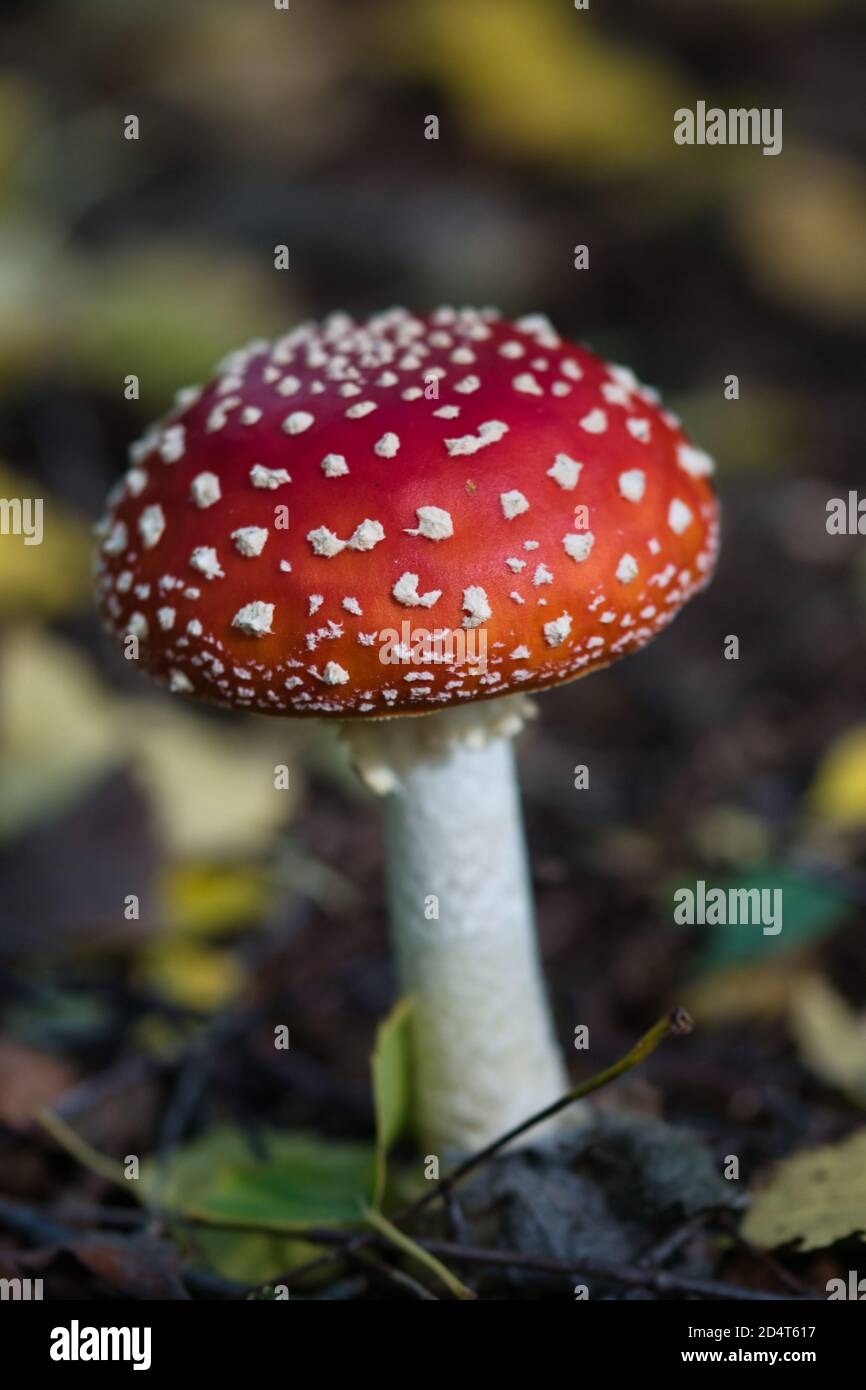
211, 783
839, 790
760, 990
801, 226
58, 729
816, 1198
539, 80
831, 1037
203, 899
192, 974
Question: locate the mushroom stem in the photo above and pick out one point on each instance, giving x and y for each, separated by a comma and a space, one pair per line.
462, 919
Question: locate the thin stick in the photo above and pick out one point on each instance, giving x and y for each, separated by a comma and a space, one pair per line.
677, 1023
79, 1148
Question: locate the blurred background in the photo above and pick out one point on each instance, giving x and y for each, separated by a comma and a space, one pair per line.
147, 1025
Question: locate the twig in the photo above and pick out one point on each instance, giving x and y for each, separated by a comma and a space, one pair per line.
658, 1279
389, 1274
421, 1253
79, 1148
675, 1024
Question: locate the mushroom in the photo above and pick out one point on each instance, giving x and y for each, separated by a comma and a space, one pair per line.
418, 516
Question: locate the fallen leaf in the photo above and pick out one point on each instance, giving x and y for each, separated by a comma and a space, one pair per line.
211, 783
29, 1079
815, 1198
302, 1180
838, 792
830, 1036
137, 1267
801, 228
540, 82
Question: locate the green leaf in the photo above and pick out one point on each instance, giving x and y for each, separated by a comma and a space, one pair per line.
811, 909
390, 1068
301, 1181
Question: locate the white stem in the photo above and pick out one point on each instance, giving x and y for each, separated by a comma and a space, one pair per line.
485, 1056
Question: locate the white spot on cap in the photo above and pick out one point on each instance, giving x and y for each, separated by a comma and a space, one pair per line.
557, 630
476, 605
204, 559
595, 422
324, 542
136, 481
357, 412
512, 349
205, 489
632, 484
515, 565
334, 674
565, 471
254, 618
615, 395
639, 429
173, 443
138, 626
315, 603
250, 540
151, 525
298, 421
433, 522
695, 462
406, 591
578, 545
367, 535
194, 627
288, 386
268, 477
115, 541
627, 569
542, 575
352, 605
680, 516
334, 466
165, 617
447, 412
250, 415
527, 383
513, 504
467, 385
520, 654
179, 684
488, 433
571, 369
387, 446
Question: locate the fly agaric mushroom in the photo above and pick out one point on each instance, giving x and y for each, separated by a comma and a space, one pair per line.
418, 516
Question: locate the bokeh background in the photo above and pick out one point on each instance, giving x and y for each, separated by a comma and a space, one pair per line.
154, 257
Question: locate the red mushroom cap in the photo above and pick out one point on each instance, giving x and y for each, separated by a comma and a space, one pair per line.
293, 536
